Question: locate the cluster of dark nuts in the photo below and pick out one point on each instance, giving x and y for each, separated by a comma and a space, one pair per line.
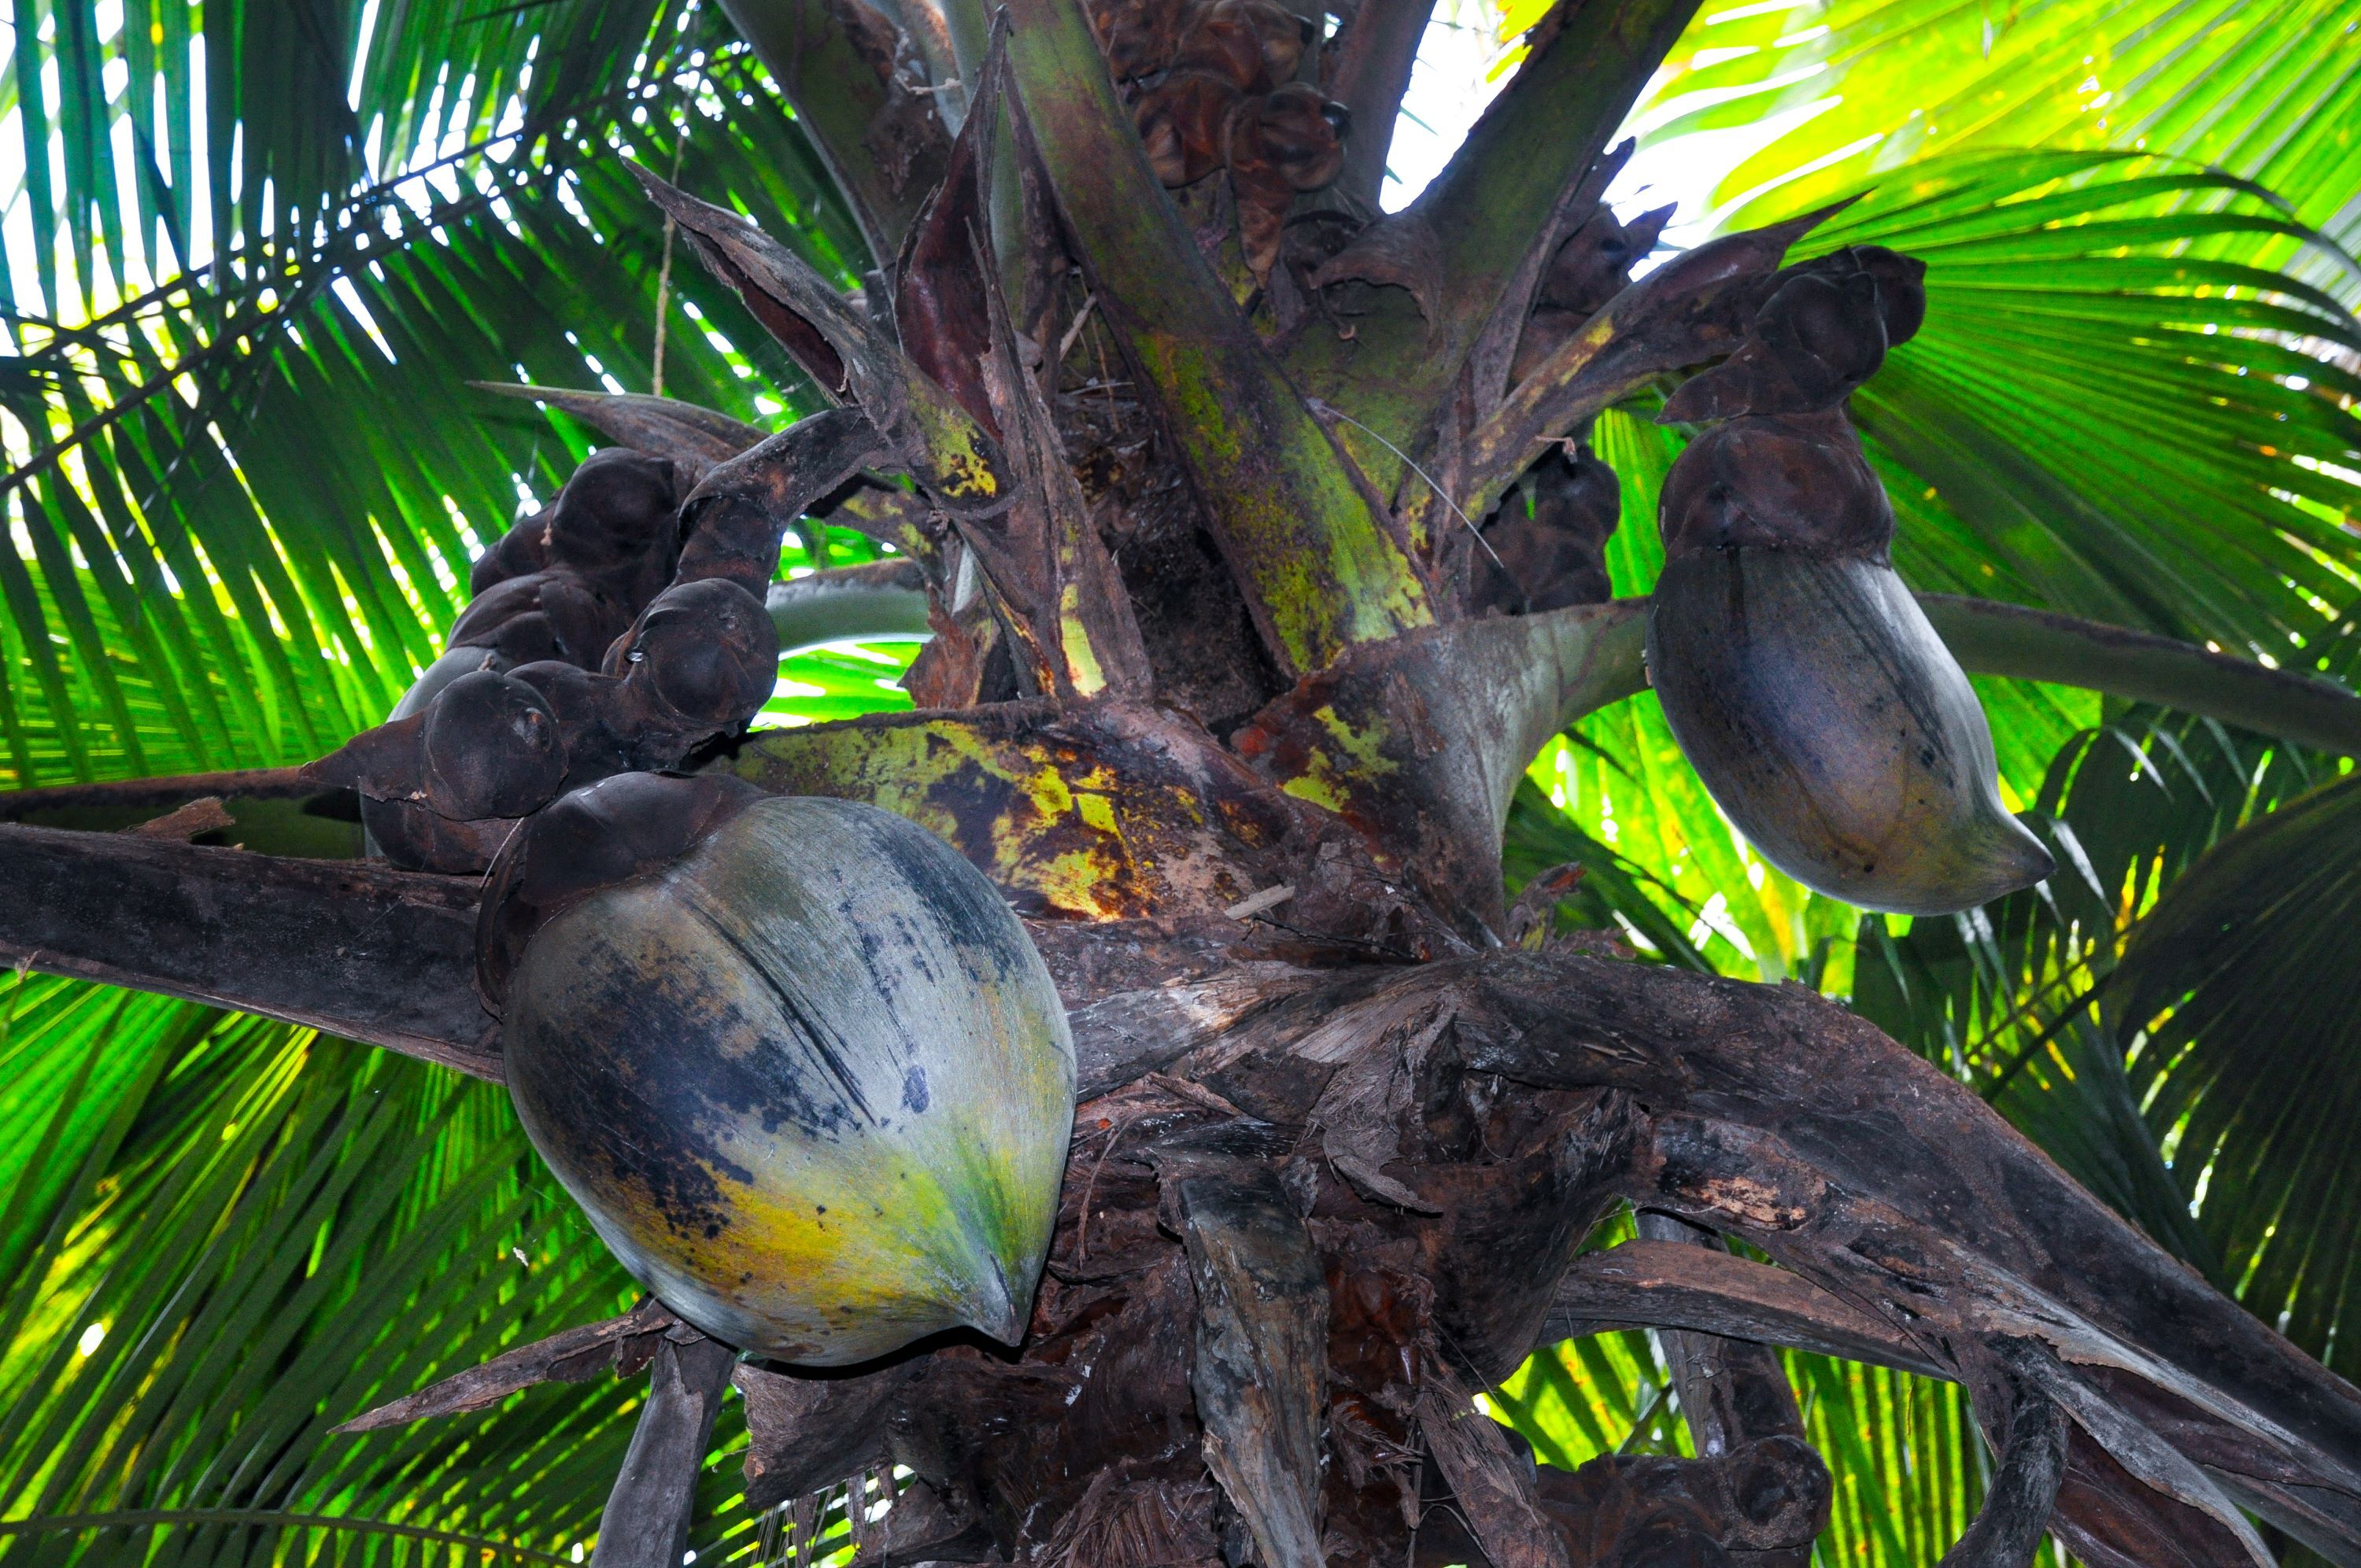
1822, 330
1212, 86
1546, 546
679, 957
1783, 469
590, 648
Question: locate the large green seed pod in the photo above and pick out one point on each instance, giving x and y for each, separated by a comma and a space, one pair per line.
807, 1076
1826, 718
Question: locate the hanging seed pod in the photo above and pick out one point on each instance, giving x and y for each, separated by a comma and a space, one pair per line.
405, 831
610, 528
1590, 267
468, 749
794, 1058
1594, 263
698, 664
549, 614
483, 748
489, 748
564, 583
705, 654
1293, 140
1806, 686
1278, 145
1901, 286
614, 517
522, 550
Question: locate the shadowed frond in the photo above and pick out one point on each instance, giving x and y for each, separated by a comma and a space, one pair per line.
251, 493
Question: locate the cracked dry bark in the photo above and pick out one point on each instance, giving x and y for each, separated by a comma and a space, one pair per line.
1197, 647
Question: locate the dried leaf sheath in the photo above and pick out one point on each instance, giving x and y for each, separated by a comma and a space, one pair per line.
1321, 571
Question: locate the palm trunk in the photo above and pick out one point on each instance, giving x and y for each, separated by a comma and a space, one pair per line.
1223, 700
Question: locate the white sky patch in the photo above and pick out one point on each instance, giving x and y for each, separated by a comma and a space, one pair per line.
360, 54
863, 651
1455, 79
350, 298
1448, 89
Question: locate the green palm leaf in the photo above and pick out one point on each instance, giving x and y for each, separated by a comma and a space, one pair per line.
251, 497
1858, 89
2124, 403
247, 501
2243, 1060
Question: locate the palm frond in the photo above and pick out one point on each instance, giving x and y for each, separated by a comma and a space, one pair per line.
2242, 1044
247, 496
2098, 418
247, 483
245, 1235
1854, 91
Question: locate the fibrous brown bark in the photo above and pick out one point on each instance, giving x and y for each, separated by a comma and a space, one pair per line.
1225, 1290
648, 1513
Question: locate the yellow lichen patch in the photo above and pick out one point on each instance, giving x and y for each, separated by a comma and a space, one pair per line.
1083, 671
1329, 773
1098, 811
1035, 820
1049, 820
966, 474
961, 469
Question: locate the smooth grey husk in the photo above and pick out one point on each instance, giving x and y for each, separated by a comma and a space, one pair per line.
1830, 723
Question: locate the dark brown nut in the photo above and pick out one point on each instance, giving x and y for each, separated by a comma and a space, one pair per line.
1289, 140
615, 512
552, 614
490, 748
1824, 330
600, 730
1595, 262
1180, 125
611, 528
1139, 37
1787, 481
441, 786
1253, 45
1901, 291
703, 653
1816, 339
405, 831
524, 549
1550, 538
628, 826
